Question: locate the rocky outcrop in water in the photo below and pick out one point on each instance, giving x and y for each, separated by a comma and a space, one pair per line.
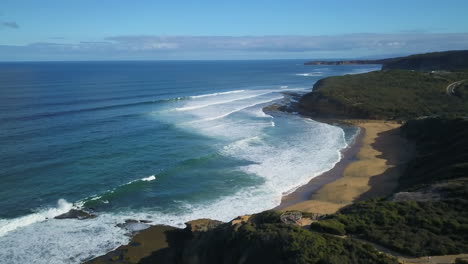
76, 214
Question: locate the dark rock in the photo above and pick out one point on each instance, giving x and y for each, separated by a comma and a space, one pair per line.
202, 225
133, 225
291, 218
76, 214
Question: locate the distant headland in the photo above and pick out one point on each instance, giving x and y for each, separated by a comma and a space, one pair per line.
434, 61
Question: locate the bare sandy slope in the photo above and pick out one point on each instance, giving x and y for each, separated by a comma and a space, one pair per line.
375, 172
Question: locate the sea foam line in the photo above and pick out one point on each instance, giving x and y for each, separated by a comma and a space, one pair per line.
215, 94
8, 225
219, 102
150, 178
316, 74
62, 207
233, 111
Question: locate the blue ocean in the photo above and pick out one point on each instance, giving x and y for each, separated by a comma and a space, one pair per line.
166, 142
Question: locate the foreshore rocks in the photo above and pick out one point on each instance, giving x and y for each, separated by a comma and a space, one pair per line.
76, 214
158, 243
134, 225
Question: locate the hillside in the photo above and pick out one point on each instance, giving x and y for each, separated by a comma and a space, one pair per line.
392, 94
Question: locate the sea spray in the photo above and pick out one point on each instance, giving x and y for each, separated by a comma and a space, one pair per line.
9, 225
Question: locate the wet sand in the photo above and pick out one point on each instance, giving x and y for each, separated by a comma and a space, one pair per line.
369, 168
305, 192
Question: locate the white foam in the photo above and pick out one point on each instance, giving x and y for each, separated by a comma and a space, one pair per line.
10, 225
306, 149
62, 241
242, 107
216, 94
301, 156
284, 165
313, 74
150, 178
198, 106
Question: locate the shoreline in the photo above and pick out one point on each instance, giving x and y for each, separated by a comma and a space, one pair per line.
304, 192
378, 145
369, 167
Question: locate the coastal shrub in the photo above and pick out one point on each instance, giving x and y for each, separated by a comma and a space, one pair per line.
442, 151
331, 226
263, 240
267, 217
407, 94
414, 228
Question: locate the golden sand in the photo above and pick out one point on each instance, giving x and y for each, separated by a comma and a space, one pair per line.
375, 172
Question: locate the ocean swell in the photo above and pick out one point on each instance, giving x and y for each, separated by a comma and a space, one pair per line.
280, 152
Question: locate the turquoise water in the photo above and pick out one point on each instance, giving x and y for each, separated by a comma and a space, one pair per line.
163, 141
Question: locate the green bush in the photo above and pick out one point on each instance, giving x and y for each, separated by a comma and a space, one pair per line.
414, 228
393, 94
331, 226
264, 240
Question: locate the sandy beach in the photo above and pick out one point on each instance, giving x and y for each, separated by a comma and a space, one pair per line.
370, 167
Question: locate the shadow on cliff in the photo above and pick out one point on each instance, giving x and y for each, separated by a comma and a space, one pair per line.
175, 239
397, 151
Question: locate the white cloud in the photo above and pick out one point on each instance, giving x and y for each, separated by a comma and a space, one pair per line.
155, 47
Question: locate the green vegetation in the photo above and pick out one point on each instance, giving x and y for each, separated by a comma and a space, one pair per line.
443, 152
264, 239
395, 94
413, 228
331, 226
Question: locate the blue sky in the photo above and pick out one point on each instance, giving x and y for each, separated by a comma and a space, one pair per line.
144, 29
